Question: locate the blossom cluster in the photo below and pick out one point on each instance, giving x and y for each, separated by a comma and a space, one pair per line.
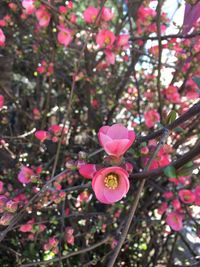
111, 184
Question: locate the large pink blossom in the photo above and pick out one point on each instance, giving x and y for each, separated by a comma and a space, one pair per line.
186, 196
90, 14
2, 38
116, 139
151, 117
43, 16
175, 220
25, 175
107, 14
105, 38
110, 184
64, 36
29, 7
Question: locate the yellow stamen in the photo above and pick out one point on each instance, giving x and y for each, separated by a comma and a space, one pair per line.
111, 180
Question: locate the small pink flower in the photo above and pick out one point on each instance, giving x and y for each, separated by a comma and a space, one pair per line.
69, 231
11, 206
186, 196
90, 14
151, 117
162, 208
122, 40
174, 220
2, 38
168, 194
25, 175
88, 170
41, 135
176, 204
107, 14
1, 101
116, 139
197, 195
64, 36
43, 16
24, 228
105, 38
29, 7
110, 184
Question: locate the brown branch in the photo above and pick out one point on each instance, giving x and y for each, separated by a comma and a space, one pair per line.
104, 241
165, 37
193, 153
135, 203
194, 110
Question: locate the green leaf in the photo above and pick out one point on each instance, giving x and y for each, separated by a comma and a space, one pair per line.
171, 116
170, 171
197, 81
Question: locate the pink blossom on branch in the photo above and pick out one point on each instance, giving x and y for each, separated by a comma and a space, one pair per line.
90, 14
43, 16
151, 117
64, 36
41, 135
29, 7
105, 38
174, 220
88, 170
2, 38
116, 139
25, 175
1, 101
186, 196
110, 184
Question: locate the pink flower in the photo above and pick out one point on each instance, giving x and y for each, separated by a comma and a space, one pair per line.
29, 7
105, 38
43, 16
162, 208
88, 170
197, 195
64, 36
1, 101
107, 14
174, 220
24, 228
122, 40
110, 184
186, 196
168, 194
41, 135
69, 231
116, 139
90, 14
2, 38
176, 204
151, 117
25, 175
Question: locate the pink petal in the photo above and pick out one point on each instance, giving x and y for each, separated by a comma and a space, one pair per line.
103, 138
88, 170
117, 147
117, 131
114, 195
98, 186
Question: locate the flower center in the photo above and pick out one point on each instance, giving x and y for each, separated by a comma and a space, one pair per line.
107, 40
111, 180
